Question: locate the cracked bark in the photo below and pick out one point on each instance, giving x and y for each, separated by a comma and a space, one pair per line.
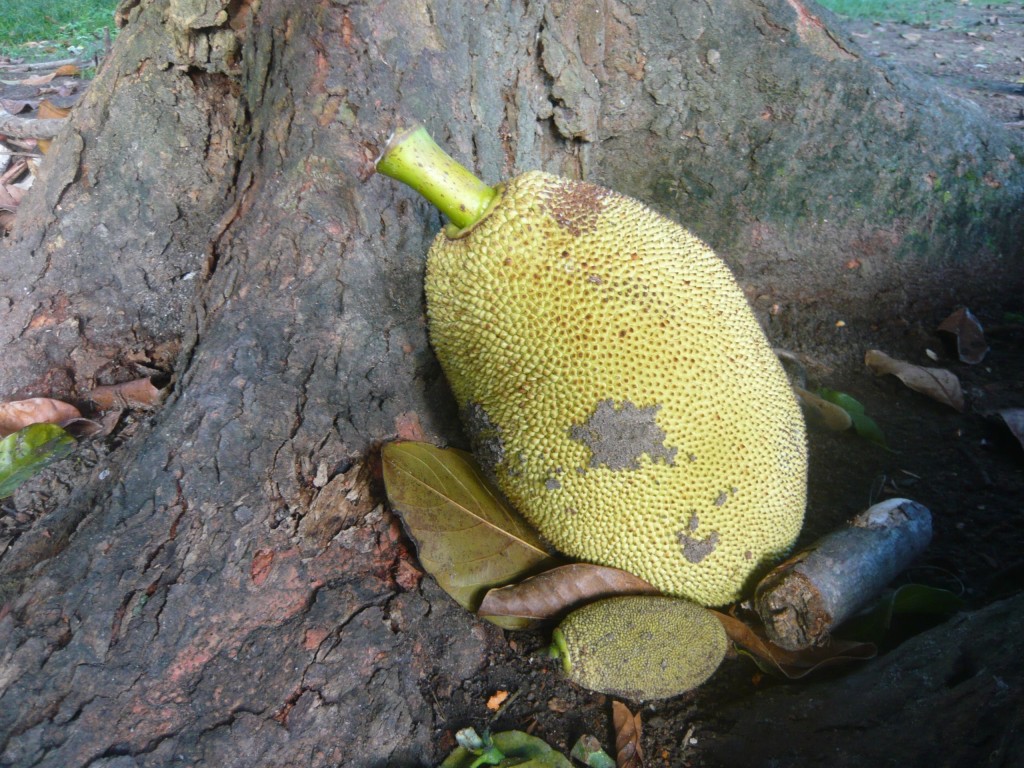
225, 586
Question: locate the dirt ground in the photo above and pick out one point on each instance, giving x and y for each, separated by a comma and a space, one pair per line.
967, 467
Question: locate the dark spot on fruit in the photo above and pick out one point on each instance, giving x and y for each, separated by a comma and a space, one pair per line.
619, 435
576, 206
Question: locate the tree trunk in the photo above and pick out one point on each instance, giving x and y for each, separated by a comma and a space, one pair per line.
219, 583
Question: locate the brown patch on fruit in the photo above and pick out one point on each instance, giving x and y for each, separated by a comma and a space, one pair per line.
576, 206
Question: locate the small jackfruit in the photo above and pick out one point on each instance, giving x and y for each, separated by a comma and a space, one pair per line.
611, 376
642, 647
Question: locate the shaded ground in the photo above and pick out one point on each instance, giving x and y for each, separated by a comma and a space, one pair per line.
966, 467
974, 50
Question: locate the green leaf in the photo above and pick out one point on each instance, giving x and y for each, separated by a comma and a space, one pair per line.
517, 748
28, 451
916, 600
466, 536
588, 751
863, 424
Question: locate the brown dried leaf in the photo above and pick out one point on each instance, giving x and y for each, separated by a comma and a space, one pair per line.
793, 664
938, 384
628, 733
34, 80
140, 393
971, 346
18, 414
551, 593
48, 110
10, 197
16, 169
67, 70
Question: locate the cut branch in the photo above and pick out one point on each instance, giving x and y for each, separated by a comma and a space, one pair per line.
802, 600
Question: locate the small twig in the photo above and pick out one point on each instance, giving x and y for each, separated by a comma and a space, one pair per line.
38, 65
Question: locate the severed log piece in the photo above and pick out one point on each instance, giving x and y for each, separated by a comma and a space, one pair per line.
804, 598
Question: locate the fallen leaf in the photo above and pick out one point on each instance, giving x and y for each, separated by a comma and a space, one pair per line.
34, 80
10, 197
28, 451
67, 70
466, 536
793, 665
965, 328
48, 110
1014, 419
588, 751
551, 593
495, 701
876, 623
138, 393
628, 732
504, 749
829, 415
863, 424
36, 410
939, 384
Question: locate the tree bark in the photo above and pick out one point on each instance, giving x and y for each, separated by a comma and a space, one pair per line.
221, 584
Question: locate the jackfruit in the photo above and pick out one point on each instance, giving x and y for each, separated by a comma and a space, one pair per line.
643, 647
611, 376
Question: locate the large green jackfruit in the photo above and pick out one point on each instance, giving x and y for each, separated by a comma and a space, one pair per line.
614, 381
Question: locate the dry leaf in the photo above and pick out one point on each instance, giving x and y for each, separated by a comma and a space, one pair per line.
18, 414
139, 393
68, 70
48, 110
628, 732
971, 346
793, 664
551, 593
10, 197
495, 701
938, 384
466, 536
34, 80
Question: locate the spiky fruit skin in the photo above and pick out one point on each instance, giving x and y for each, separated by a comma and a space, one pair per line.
617, 386
641, 648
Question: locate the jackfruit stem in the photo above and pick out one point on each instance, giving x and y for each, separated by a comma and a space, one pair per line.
413, 158
560, 650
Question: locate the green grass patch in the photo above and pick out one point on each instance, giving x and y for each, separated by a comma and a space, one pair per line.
41, 29
908, 11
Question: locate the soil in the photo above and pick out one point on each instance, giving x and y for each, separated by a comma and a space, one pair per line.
966, 467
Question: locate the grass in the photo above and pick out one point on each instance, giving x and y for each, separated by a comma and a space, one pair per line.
911, 11
41, 29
